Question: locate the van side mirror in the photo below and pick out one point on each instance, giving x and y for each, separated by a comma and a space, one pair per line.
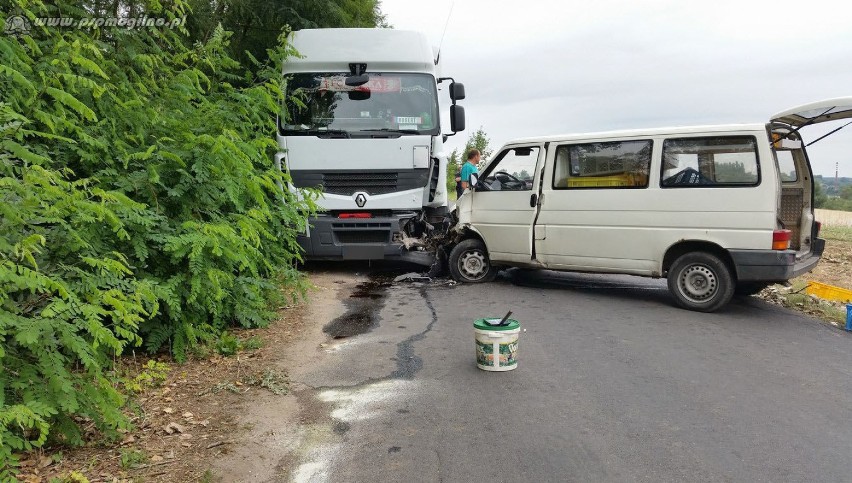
474, 179
456, 91
456, 118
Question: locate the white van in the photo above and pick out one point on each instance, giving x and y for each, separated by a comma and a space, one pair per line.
715, 209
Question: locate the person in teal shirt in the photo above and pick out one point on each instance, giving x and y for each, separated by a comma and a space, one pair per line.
473, 158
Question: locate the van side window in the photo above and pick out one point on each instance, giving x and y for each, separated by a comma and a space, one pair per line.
616, 164
710, 162
513, 170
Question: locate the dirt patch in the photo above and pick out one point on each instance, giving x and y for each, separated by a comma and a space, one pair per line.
189, 421
835, 267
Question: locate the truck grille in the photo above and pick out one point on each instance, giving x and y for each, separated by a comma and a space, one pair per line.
348, 183
362, 236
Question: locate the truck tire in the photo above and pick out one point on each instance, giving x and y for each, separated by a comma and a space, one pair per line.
701, 281
469, 262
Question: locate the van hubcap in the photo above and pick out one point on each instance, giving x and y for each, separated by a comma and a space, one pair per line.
698, 283
472, 264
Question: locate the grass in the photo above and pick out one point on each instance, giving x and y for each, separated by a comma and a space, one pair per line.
253, 343
207, 477
838, 233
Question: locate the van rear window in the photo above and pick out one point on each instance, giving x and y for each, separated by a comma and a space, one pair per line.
614, 164
721, 161
786, 166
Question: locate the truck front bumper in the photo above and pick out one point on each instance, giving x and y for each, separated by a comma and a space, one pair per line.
774, 265
378, 238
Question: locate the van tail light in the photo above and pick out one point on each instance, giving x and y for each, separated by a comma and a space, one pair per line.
781, 239
818, 228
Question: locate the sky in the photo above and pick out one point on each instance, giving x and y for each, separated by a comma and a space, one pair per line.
536, 67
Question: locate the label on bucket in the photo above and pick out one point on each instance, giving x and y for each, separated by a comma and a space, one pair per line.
508, 353
484, 354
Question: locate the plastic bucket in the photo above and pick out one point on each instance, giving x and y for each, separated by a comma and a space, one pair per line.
848, 316
496, 345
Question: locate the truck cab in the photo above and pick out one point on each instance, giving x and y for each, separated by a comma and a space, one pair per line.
362, 125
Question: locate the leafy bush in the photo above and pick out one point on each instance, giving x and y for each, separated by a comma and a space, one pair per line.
139, 205
228, 344
839, 204
153, 374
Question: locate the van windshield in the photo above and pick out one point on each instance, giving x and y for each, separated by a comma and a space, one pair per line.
387, 103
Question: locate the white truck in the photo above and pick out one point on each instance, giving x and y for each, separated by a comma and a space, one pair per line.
365, 128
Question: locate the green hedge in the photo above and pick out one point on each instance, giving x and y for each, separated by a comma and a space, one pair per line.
139, 206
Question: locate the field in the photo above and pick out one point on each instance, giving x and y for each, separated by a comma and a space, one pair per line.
834, 218
835, 268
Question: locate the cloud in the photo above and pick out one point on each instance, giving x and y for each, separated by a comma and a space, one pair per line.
547, 67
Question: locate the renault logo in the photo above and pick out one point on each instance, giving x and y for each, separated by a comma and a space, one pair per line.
361, 200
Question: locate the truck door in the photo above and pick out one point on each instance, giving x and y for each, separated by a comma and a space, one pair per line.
504, 202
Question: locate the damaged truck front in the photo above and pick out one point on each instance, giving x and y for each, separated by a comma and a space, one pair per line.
363, 125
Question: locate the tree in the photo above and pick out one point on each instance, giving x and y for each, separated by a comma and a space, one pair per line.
846, 192
820, 198
478, 140
139, 204
453, 167
256, 24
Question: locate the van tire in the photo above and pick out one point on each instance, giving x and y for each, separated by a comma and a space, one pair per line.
701, 281
469, 262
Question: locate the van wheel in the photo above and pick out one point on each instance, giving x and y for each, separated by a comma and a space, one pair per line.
469, 262
701, 281
744, 289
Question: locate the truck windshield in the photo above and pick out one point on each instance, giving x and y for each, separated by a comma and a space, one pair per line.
387, 103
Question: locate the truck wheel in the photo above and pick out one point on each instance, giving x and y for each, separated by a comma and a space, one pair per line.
744, 289
469, 262
701, 281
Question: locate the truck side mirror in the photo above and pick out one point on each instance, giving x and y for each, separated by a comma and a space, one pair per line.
456, 118
474, 179
357, 80
456, 91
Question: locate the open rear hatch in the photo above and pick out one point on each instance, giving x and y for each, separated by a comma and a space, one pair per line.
816, 112
795, 206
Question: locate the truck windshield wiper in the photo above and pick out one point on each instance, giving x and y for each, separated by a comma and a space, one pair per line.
329, 133
393, 131
323, 133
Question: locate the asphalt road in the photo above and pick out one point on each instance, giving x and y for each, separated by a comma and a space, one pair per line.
614, 384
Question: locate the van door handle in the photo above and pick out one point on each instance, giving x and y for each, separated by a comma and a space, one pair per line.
533, 200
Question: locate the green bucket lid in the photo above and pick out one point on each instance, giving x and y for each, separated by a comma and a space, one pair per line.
482, 325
